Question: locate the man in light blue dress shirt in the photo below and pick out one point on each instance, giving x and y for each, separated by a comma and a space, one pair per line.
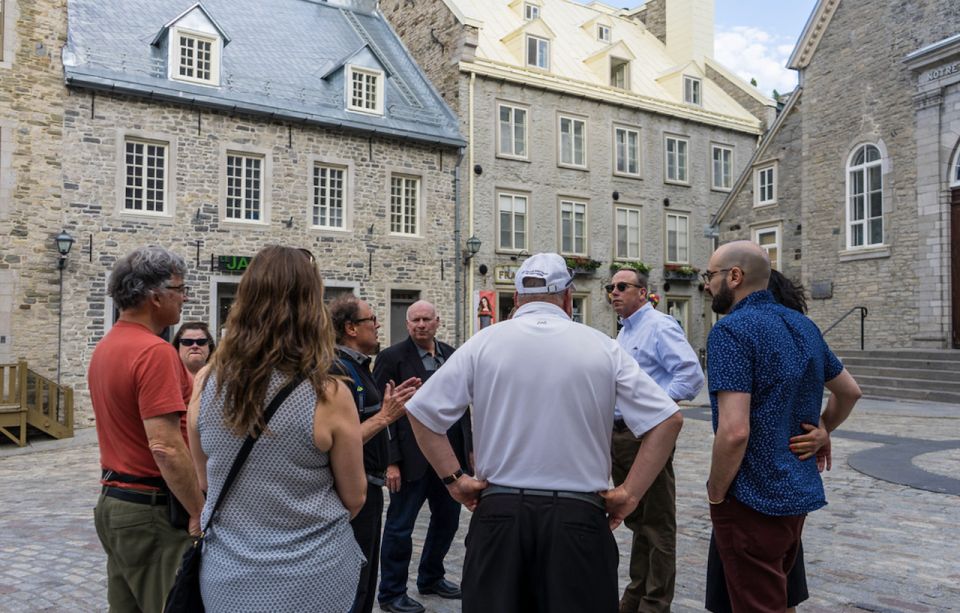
657, 342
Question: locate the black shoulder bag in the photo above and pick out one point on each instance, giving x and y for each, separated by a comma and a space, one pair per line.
184, 596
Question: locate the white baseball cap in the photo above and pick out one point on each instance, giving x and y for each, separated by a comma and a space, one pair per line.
547, 266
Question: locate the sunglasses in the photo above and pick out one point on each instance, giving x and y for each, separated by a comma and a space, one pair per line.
620, 287
190, 342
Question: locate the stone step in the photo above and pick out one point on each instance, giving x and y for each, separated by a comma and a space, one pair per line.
928, 395
921, 370
921, 385
931, 355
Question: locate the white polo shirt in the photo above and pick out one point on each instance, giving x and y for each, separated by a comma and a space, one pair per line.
543, 390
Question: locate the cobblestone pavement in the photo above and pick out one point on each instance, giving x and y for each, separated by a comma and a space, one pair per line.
878, 546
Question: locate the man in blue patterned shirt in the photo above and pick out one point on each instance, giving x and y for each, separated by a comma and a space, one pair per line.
767, 367
657, 342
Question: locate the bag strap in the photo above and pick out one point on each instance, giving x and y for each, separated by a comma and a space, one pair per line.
248, 444
359, 393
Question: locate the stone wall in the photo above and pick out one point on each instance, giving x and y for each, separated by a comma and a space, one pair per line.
195, 230
766, 114
654, 16
31, 153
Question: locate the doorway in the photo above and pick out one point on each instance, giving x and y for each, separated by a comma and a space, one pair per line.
955, 265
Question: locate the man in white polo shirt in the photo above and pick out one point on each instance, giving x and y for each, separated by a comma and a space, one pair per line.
543, 390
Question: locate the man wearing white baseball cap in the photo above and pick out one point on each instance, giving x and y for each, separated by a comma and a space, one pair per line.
543, 390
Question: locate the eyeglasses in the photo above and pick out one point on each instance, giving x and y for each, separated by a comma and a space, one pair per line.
181, 289
620, 287
708, 274
372, 318
190, 342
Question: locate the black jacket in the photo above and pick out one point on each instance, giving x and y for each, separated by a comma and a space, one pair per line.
376, 450
398, 363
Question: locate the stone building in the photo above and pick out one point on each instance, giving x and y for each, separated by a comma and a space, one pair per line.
611, 136
855, 190
214, 128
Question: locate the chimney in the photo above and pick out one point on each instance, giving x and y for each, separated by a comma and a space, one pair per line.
690, 30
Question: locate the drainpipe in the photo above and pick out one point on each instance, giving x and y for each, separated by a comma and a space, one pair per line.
457, 253
468, 299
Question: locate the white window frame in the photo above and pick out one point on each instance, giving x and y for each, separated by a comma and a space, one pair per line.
603, 33
318, 192
541, 57
584, 300
724, 181
378, 94
777, 244
399, 211
685, 311
530, 11
125, 177
175, 58
573, 163
513, 124
692, 90
764, 191
514, 196
684, 238
955, 168
573, 204
682, 171
865, 222
619, 80
628, 211
245, 156
627, 132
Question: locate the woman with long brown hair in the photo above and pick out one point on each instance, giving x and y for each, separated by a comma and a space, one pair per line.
281, 539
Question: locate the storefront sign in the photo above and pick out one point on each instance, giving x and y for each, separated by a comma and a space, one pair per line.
943, 71
504, 274
233, 263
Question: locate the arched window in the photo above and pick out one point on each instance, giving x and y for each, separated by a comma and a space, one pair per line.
955, 169
865, 198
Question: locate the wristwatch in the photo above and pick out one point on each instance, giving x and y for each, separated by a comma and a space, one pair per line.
452, 478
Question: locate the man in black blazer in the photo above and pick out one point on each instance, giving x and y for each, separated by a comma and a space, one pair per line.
410, 479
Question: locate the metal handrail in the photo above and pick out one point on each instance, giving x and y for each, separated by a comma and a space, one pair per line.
863, 315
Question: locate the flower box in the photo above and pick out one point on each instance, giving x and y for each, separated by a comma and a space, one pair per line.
583, 265
680, 272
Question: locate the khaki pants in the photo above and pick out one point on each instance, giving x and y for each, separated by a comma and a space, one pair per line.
653, 557
143, 553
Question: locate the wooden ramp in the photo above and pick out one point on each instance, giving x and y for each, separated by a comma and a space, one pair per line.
30, 399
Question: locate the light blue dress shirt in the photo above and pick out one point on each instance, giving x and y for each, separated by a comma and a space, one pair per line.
657, 342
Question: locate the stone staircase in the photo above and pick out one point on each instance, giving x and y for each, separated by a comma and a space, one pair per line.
912, 374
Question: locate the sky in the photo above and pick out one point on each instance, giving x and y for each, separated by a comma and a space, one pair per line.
754, 38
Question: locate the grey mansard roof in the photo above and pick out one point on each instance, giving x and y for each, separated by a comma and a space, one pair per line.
281, 58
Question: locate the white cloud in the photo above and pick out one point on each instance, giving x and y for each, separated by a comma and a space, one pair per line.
752, 53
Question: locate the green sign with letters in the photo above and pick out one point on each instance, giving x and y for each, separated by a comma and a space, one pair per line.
233, 263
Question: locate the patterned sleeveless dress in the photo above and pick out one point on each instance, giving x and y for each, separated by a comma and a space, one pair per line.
281, 540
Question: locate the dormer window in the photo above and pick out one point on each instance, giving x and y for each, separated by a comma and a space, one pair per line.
538, 52
603, 33
531, 11
692, 91
619, 73
364, 90
195, 57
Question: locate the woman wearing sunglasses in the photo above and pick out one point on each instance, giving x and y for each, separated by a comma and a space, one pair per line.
194, 343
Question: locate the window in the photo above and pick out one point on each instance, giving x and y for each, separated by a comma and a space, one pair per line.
513, 131
955, 172
626, 151
766, 185
722, 167
531, 11
619, 73
573, 142
365, 93
538, 52
628, 233
146, 177
676, 159
679, 309
603, 33
678, 233
573, 226
691, 91
404, 205
194, 56
400, 301
244, 187
329, 197
578, 310
3, 15
769, 240
513, 221
865, 189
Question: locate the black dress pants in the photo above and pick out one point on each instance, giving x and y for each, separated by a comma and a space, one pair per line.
537, 554
366, 529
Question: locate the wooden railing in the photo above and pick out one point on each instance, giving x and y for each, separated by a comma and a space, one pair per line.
30, 399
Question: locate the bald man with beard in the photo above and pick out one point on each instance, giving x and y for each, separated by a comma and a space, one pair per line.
767, 367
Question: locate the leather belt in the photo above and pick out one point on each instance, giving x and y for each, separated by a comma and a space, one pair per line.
377, 480
139, 497
587, 497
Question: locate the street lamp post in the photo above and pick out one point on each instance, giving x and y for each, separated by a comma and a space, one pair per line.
64, 243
